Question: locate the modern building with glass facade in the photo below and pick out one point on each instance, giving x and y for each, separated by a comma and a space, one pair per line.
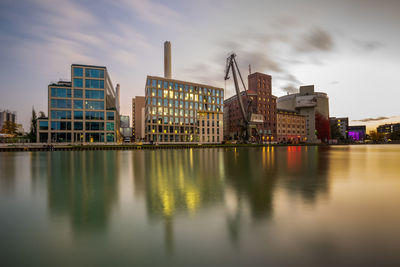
182, 112
81, 111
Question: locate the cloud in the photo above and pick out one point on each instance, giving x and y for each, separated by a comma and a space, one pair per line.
316, 40
334, 82
290, 89
368, 45
373, 119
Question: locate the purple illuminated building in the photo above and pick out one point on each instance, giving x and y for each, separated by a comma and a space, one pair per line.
357, 133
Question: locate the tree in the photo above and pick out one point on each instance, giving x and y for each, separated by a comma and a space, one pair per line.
42, 115
375, 136
9, 127
32, 133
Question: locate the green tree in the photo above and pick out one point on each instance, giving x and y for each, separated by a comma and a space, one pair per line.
9, 127
32, 133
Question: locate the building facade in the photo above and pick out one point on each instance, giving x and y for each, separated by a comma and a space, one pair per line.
357, 133
342, 124
258, 100
182, 112
314, 106
291, 127
81, 111
388, 128
138, 112
6, 115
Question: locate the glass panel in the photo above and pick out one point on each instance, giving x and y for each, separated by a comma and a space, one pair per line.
60, 114
78, 82
110, 116
110, 137
78, 72
60, 125
89, 83
78, 104
94, 126
94, 115
94, 105
110, 126
78, 115
94, 73
78, 125
94, 137
61, 103
78, 93
43, 125
61, 92
94, 94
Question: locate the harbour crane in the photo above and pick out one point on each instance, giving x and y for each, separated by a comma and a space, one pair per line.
249, 121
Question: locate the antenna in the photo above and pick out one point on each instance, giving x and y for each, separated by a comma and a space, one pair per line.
249, 69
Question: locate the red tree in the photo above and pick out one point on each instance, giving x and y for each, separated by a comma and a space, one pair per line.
322, 127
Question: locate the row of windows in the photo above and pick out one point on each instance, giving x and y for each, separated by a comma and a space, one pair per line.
92, 73
61, 92
184, 87
154, 101
89, 83
78, 125
78, 115
78, 104
181, 112
66, 137
183, 96
181, 138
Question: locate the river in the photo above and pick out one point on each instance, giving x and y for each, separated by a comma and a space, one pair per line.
268, 206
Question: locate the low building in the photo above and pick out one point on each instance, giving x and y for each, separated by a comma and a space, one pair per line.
388, 128
357, 133
138, 111
314, 106
342, 124
291, 127
175, 111
82, 110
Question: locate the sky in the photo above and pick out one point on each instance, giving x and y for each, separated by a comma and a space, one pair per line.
346, 48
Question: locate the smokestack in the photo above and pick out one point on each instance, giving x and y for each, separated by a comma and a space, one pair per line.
117, 98
167, 59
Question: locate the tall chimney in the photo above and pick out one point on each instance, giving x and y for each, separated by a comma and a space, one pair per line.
167, 59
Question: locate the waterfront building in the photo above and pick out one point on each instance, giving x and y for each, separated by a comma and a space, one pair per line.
258, 100
342, 124
291, 126
314, 106
6, 115
83, 110
180, 112
138, 111
357, 133
388, 128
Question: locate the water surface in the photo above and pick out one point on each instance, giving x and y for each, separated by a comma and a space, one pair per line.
275, 206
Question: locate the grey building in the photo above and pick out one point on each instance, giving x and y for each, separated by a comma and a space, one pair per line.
82, 110
6, 115
342, 124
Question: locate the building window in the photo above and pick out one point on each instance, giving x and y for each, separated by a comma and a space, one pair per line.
61, 92
94, 105
60, 114
78, 72
78, 82
110, 126
94, 73
90, 83
94, 115
94, 94
78, 115
44, 125
78, 93
61, 103
60, 125
94, 137
78, 125
110, 137
94, 126
78, 104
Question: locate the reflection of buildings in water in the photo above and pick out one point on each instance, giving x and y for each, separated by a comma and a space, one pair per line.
305, 170
179, 181
7, 172
83, 185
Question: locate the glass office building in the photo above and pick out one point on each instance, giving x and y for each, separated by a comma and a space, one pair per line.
182, 112
81, 111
